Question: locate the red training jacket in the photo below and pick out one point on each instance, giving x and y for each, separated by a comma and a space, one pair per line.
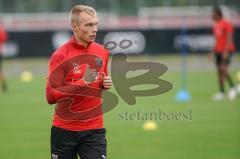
75, 99
221, 29
3, 37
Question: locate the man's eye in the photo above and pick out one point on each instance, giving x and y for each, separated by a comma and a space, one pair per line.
89, 25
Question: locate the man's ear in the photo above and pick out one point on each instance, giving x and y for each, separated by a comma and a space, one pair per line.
74, 26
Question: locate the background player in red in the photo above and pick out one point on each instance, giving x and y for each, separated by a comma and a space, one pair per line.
3, 39
74, 132
224, 48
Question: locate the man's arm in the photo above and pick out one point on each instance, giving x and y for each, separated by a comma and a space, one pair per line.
3, 35
229, 40
107, 80
56, 88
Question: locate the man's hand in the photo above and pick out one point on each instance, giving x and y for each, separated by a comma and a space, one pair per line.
90, 75
210, 56
225, 55
107, 81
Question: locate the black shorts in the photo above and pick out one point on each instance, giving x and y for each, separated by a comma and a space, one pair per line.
219, 59
90, 144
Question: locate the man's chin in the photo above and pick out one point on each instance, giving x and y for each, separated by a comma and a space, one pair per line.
91, 40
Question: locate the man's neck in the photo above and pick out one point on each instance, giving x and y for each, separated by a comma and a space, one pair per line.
79, 41
219, 19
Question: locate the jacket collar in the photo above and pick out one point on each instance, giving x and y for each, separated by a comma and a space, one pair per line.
73, 42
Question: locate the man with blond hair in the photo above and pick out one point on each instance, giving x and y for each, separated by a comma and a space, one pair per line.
77, 75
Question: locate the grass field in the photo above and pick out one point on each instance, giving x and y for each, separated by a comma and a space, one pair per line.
213, 132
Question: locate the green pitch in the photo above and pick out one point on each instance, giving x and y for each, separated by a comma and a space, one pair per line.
211, 132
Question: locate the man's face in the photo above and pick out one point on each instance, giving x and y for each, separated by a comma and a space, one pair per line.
87, 28
215, 16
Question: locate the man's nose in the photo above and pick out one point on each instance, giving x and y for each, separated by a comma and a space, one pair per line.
94, 28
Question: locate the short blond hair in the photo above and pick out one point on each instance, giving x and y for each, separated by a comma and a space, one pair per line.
76, 10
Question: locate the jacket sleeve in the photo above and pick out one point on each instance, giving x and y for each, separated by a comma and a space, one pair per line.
3, 35
106, 66
55, 85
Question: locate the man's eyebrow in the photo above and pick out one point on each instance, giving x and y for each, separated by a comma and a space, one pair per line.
92, 23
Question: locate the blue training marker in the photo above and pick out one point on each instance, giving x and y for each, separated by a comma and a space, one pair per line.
183, 95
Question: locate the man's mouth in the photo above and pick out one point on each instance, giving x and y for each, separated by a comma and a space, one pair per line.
93, 36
